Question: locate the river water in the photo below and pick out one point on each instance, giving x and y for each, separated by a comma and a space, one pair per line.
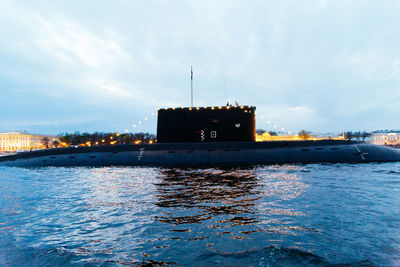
283, 215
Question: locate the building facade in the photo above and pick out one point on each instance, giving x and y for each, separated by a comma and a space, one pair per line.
386, 139
14, 141
268, 137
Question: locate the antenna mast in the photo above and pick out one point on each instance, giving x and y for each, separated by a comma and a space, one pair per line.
191, 85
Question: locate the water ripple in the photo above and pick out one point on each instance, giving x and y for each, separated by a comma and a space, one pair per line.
278, 215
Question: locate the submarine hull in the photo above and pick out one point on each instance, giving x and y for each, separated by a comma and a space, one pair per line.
196, 154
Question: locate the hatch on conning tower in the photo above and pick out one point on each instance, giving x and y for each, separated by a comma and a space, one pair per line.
206, 124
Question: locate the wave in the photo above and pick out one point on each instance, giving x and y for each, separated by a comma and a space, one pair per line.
12, 256
267, 256
272, 256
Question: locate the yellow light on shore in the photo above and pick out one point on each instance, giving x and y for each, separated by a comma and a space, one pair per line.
137, 142
151, 141
117, 134
63, 144
241, 107
190, 108
228, 107
197, 108
219, 107
212, 108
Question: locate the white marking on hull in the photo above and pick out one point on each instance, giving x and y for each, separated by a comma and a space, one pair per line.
362, 155
140, 156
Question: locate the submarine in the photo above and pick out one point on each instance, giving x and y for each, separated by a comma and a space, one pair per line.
207, 136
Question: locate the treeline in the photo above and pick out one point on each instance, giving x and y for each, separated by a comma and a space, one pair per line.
98, 138
357, 135
261, 131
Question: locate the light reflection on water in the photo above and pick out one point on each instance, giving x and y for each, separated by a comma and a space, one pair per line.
267, 215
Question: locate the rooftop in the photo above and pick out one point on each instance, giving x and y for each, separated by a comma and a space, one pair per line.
25, 133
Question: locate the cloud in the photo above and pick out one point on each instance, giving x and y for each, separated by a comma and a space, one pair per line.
288, 117
74, 44
395, 69
75, 51
315, 65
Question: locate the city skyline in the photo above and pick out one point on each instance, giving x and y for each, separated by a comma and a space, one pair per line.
324, 66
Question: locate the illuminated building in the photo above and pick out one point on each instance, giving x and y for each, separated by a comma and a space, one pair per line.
13, 141
386, 138
268, 137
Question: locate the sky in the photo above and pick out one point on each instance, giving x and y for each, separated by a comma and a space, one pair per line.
319, 65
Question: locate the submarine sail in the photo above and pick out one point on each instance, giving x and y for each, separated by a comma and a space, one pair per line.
206, 124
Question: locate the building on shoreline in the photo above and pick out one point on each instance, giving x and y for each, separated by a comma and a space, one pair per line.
13, 141
264, 137
386, 138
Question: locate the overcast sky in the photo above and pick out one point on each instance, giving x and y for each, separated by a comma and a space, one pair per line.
96, 65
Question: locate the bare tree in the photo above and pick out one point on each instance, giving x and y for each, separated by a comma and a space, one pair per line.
348, 135
56, 143
303, 134
45, 142
260, 131
357, 135
365, 135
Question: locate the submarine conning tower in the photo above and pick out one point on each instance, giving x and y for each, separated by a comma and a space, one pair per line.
206, 124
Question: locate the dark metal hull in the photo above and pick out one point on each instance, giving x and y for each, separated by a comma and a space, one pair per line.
195, 154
